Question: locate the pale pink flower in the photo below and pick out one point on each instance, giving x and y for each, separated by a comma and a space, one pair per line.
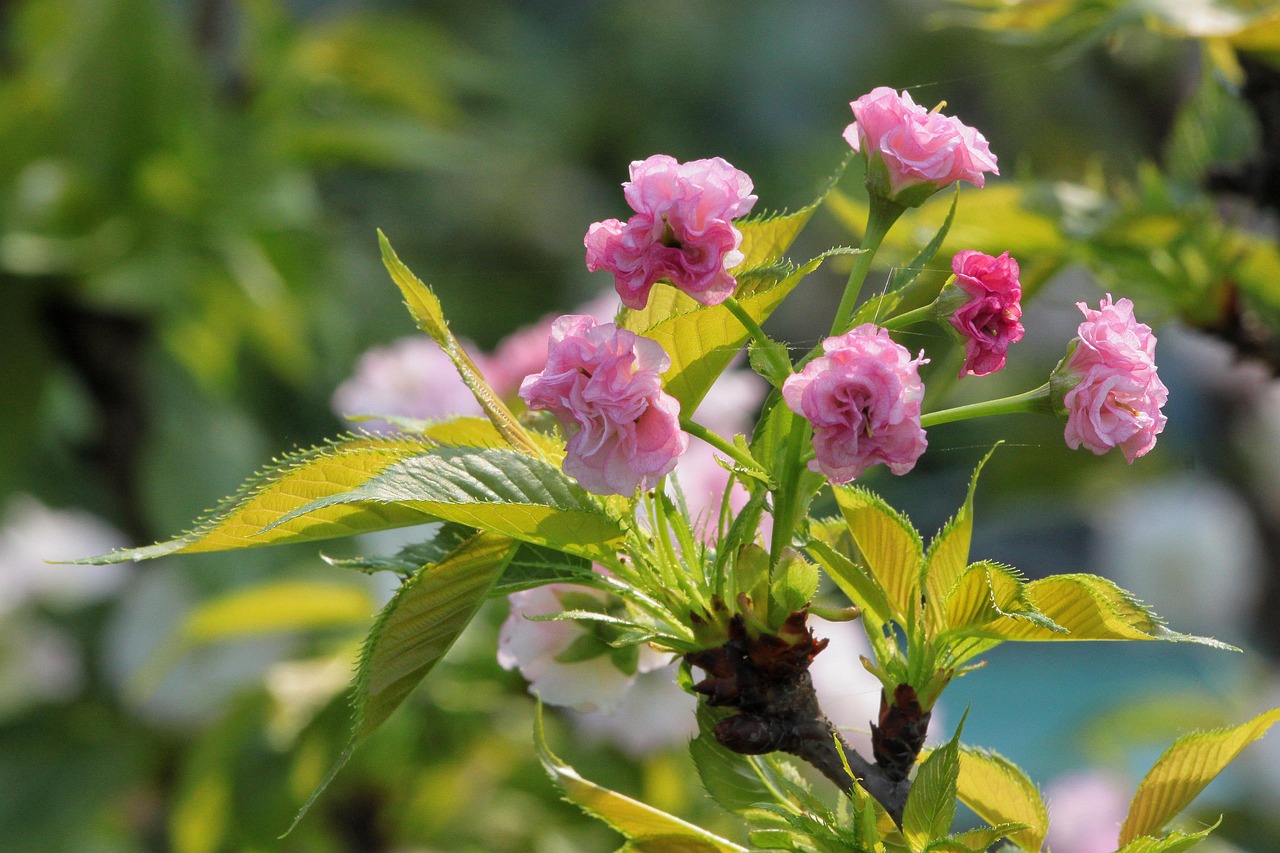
682, 231
602, 384
1086, 810
1114, 395
411, 378
989, 319
915, 146
654, 714
863, 398
535, 647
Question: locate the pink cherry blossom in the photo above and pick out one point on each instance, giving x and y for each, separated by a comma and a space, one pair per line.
524, 351
535, 647
682, 231
1115, 394
914, 145
1086, 809
989, 320
602, 384
411, 378
863, 398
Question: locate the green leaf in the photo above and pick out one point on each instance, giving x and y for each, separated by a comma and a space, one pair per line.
853, 580
988, 591
1000, 793
931, 803
413, 632
278, 606
983, 838
702, 340
1174, 842
502, 491
1184, 770
794, 585
729, 778
297, 480
890, 546
635, 820
1089, 608
427, 313
948, 556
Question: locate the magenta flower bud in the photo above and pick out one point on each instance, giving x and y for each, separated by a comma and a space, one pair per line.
863, 398
602, 385
988, 317
682, 232
1107, 385
907, 146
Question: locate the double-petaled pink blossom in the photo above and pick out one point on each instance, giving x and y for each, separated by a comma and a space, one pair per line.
989, 318
1108, 384
863, 398
602, 383
907, 146
682, 231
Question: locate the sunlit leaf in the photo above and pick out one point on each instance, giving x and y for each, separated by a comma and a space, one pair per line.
279, 606
295, 481
427, 312
999, 792
413, 632
889, 544
948, 556
853, 580
988, 591
1174, 842
1184, 770
633, 819
502, 491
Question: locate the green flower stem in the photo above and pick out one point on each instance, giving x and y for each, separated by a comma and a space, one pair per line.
749, 322
1035, 400
909, 318
880, 219
697, 430
786, 496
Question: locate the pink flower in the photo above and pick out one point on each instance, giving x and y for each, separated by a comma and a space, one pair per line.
411, 378
602, 384
549, 654
863, 399
682, 231
1114, 395
989, 318
1085, 812
524, 351
906, 145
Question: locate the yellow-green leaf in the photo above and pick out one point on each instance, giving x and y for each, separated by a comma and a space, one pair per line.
765, 239
949, 556
427, 313
635, 820
1174, 842
498, 490
890, 546
279, 606
853, 581
292, 482
1089, 608
999, 792
1183, 771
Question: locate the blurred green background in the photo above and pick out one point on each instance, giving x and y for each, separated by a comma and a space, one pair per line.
189, 193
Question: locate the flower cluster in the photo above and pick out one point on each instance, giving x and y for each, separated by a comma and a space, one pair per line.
863, 398
907, 146
1108, 385
682, 231
602, 384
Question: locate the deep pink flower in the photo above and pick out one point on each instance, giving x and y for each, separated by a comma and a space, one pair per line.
602, 384
1114, 395
989, 319
863, 399
915, 146
682, 231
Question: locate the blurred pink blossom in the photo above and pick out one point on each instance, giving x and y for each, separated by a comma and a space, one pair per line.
916, 146
602, 384
989, 320
682, 231
535, 646
1085, 812
1115, 395
411, 378
863, 398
